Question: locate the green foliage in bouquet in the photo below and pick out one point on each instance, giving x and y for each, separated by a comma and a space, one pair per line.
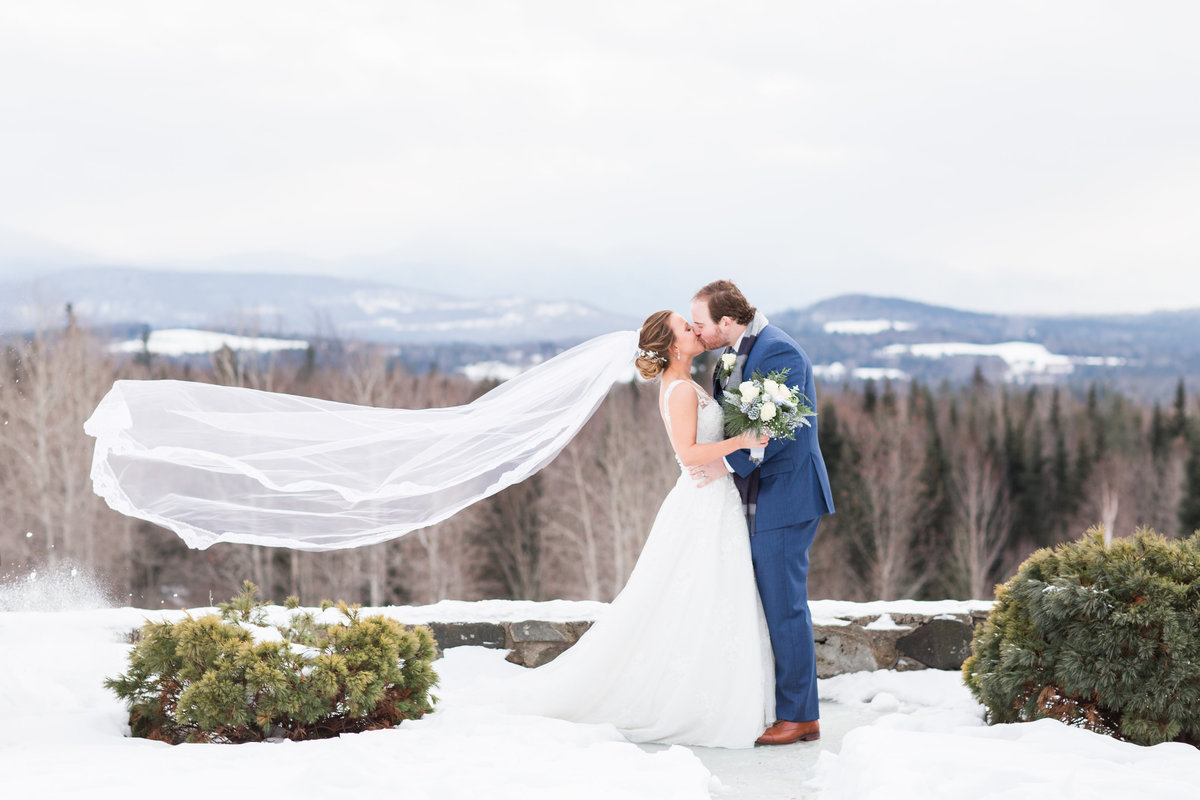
1104, 638
765, 404
235, 678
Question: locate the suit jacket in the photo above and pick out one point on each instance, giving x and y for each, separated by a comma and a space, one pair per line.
793, 483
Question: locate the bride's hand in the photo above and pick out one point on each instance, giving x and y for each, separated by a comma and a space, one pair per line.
750, 439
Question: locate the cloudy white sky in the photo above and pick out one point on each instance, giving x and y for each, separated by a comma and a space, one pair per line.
1026, 155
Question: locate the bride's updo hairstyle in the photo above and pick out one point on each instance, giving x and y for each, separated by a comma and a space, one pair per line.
654, 345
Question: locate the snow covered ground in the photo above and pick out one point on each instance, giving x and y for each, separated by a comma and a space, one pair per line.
885, 735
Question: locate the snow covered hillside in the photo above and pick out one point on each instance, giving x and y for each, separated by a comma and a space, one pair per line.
303, 305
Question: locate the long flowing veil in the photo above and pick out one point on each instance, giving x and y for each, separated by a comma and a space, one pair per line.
226, 464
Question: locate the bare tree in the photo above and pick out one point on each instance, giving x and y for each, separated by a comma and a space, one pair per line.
438, 561
889, 453
576, 522
56, 381
603, 493
513, 535
636, 468
981, 520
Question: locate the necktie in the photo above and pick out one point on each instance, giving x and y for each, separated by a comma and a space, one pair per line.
718, 384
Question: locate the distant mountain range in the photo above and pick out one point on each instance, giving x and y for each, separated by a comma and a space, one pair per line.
852, 337
888, 337
294, 305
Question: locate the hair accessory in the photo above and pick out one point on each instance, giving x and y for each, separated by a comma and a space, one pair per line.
653, 356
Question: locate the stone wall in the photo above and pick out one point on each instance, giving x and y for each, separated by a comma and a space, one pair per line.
900, 641
895, 641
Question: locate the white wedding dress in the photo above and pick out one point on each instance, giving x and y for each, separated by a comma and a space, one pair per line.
682, 655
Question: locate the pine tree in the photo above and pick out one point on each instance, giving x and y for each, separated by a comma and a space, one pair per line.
845, 479
934, 518
1063, 500
978, 381
1085, 463
919, 401
1160, 437
207, 679
992, 447
1096, 423
870, 397
1179, 420
309, 366
1099, 637
1013, 453
1189, 506
888, 401
832, 442
1032, 512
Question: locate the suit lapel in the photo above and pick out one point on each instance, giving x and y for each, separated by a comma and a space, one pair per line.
743, 354
737, 374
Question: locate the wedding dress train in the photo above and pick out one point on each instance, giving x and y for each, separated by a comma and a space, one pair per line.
682, 655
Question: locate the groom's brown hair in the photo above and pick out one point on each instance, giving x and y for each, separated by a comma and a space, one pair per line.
724, 299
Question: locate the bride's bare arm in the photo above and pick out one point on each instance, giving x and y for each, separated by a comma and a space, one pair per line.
684, 412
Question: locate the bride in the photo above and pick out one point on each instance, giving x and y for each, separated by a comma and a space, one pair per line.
682, 655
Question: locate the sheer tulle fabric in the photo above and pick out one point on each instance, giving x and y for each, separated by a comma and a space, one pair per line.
225, 464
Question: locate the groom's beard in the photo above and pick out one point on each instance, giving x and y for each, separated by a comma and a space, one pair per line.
714, 343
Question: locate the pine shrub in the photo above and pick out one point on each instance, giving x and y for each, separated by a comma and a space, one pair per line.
1104, 638
236, 678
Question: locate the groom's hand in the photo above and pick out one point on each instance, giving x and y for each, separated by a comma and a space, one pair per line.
704, 474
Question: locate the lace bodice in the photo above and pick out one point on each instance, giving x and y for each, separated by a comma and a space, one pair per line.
710, 426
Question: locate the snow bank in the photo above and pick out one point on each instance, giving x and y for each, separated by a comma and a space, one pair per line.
1004, 762
63, 735
904, 735
930, 743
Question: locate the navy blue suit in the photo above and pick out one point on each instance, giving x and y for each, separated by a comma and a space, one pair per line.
793, 494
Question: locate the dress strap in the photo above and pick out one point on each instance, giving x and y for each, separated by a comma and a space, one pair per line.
666, 405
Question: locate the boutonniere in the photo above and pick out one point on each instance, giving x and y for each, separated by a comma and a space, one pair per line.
725, 369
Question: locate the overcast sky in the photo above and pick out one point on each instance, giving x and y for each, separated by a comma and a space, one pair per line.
1035, 156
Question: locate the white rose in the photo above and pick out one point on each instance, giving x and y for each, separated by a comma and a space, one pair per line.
781, 394
767, 412
770, 387
728, 360
748, 391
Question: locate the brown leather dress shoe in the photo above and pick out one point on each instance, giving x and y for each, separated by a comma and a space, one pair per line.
785, 732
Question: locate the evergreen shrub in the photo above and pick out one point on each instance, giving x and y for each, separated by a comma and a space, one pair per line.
1104, 638
234, 677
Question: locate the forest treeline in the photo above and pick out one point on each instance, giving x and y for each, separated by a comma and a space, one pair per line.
941, 492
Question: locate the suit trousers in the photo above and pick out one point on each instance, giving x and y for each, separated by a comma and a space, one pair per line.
780, 558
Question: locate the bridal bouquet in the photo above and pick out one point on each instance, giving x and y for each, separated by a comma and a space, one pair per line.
766, 404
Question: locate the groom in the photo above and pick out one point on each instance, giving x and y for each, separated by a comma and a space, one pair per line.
784, 495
